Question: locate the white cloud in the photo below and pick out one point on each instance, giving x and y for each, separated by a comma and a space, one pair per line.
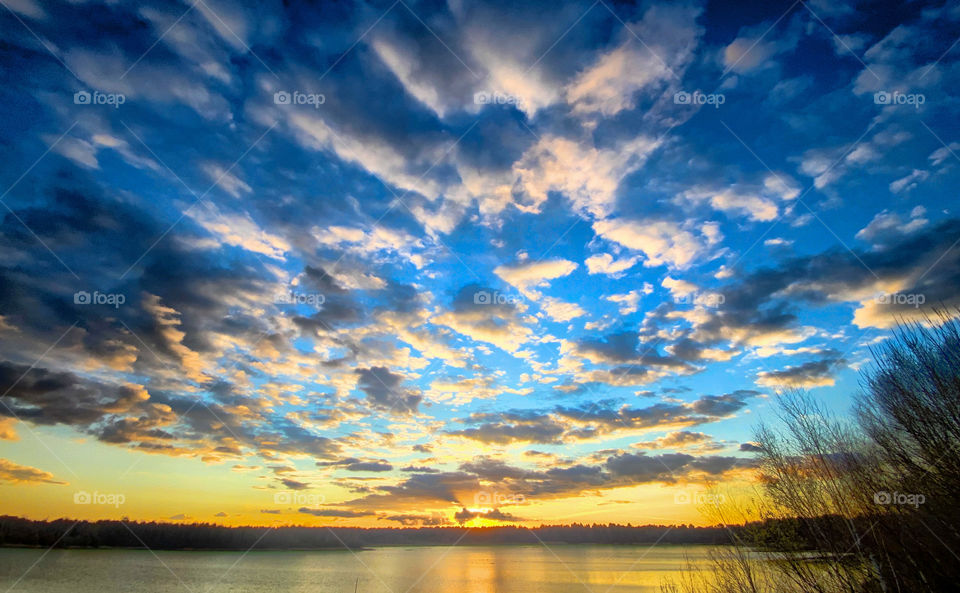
27, 8
529, 274
603, 263
756, 201
226, 180
75, 149
753, 206
628, 302
746, 54
561, 311
403, 66
610, 84
662, 242
588, 176
372, 243
679, 288
915, 178
239, 230
889, 225
938, 156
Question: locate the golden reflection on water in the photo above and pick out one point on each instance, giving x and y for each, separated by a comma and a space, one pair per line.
553, 568
526, 569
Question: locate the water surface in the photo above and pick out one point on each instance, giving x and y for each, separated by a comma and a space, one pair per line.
440, 569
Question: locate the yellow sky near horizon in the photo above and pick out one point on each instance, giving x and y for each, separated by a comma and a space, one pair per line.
90, 480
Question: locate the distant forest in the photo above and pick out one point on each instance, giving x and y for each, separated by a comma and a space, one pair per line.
67, 533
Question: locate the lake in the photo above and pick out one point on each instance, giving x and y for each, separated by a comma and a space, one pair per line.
439, 569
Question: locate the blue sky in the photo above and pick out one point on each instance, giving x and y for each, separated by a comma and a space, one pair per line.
408, 256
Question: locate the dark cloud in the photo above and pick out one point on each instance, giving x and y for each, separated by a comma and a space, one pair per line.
48, 397
723, 405
419, 469
412, 520
809, 374
464, 515
763, 303
538, 429
385, 391
417, 489
358, 465
569, 423
670, 466
627, 347
294, 484
345, 513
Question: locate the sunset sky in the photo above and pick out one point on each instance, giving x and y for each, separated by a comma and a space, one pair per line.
427, 263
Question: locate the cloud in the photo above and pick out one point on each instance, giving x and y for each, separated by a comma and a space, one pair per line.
528, 274
755, 46
564, 424
7, 429
561, 311
609, 85
909, 182
815, 373
385, 392
239, 230
339, 513
14, 473
588, 176
887, 227
475, 313
358, 465
661, 242
294, 484
629, 302
422, 520
225, 180
399, 209
464, 515
603, 263
26, 8
521, 484
753, 206
680, 439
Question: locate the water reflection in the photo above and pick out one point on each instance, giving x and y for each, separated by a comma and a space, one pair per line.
460, 569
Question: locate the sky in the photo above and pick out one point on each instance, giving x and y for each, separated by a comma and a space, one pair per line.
452, 263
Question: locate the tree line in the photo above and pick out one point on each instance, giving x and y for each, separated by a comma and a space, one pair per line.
66, 533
